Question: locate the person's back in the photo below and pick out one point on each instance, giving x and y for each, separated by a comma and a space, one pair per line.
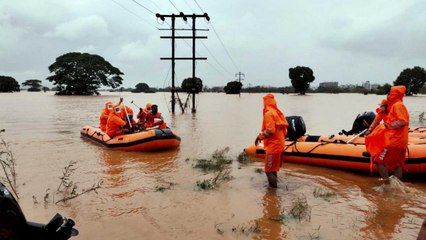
103, 119
274, 129
115, 123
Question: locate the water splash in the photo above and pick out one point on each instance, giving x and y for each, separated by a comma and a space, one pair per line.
397, 188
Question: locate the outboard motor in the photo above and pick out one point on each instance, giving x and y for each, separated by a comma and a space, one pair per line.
296, 128
13, 224
362, 122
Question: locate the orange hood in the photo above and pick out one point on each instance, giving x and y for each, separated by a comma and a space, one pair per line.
396, 94
108, 107
269, 104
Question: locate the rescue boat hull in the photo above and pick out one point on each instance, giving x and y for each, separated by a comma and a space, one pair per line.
150, 140
339, 154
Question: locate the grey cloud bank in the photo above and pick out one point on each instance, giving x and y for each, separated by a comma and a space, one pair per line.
347, 41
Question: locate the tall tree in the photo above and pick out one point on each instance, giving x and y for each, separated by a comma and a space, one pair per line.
301, 77
8, 84
34, 83
189, 87
83, 73
413, 79
233, 87
141, 87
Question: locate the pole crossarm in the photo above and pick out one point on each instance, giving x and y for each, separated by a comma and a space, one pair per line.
183, 37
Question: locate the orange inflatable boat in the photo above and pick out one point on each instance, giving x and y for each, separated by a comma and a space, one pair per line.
153, 139
337, 153
340, 151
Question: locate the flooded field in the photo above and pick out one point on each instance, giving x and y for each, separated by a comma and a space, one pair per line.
154, 195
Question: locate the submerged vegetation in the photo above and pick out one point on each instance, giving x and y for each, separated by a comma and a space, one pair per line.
326, 194
299, 210
219, 165
8, 165
67, 188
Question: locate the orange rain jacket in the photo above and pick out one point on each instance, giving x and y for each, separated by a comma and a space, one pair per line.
397, 121
151, 121
274, 126
115, 123
129, 111
393, 133
103, 119
382, 112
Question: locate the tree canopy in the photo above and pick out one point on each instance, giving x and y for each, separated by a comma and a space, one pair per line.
301, 77
189, 87
233, 87
8, 84
141, 87
413, 79
34, 83
83, 73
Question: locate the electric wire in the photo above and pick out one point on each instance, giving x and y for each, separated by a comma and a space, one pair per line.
217, 35
174, 6
143, 7
144, 20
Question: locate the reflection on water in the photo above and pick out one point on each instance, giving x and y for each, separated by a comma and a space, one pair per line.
43, 130
270, 227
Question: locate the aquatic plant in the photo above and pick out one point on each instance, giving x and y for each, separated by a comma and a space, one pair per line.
67, 188
299, 210
252, 227
217, 162
165, 187
8, 164
244, 158
326, 194
219, 165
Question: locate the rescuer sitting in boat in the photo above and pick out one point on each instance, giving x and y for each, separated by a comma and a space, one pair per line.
127, 116
154, 118
115, 123
103, 119
142, 115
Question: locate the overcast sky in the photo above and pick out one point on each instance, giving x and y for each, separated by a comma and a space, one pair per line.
349, 41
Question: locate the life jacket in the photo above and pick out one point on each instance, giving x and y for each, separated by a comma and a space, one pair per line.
153, 120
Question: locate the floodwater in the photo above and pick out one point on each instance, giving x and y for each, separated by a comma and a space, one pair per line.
43, 133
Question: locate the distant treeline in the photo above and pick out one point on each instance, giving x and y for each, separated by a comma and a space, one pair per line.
381, 90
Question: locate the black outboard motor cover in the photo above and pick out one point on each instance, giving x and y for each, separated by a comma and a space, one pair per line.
12, 220
13, 224
362, 122
296, 128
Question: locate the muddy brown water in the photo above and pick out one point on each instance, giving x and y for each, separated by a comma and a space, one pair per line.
43, 132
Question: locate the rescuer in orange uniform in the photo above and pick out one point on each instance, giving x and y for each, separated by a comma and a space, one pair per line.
382, 112
103, 119
395, 139
274, 129
143, 113
115, 123
154, 118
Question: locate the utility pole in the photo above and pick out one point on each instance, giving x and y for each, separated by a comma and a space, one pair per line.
193, 58
240, 74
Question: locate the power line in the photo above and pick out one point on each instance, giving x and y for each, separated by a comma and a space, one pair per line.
174, 6
135, 14
198, 5
143, 7
226, 50
217, 35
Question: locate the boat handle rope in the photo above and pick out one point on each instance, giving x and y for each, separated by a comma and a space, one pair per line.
297, 150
